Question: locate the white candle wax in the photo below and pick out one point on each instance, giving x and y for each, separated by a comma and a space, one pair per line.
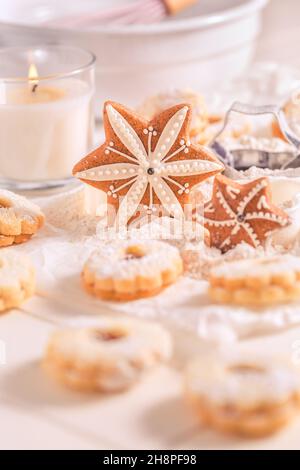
43, 133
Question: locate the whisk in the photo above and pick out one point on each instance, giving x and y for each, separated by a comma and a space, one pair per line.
140, 11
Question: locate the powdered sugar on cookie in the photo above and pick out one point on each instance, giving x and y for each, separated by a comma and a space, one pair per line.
109, 357
17, 279
19, 218
260, 268
243, 381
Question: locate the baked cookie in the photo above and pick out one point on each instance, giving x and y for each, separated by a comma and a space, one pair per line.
131, 269
109, 357
17, 279
248, 396
147, 167
155, 104
240, 213
19, 218
256, 282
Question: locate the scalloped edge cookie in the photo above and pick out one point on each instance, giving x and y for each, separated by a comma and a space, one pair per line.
109, 357
258, 282
20, 218
131, 269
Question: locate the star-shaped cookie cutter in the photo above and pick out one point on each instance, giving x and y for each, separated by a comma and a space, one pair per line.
241, 159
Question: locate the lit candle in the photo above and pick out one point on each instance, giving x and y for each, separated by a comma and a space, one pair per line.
33, 93
46, 125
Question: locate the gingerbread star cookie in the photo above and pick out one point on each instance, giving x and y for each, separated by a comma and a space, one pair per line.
241, 213
147, 167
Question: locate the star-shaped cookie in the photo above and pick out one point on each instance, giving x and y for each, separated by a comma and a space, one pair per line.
146, 166
241, 213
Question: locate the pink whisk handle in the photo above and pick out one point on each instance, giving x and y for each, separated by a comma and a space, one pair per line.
140, 11
175, 6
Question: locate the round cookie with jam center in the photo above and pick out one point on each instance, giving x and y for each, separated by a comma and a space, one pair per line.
131, 269
243, 395
257, 282
109, 357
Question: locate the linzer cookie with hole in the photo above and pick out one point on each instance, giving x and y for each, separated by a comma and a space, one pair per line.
240, 213
244, 395
257, 282
17, 279
109, 357
147, 167
20, 219
131, 269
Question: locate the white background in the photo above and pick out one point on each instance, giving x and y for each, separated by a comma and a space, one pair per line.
36, 413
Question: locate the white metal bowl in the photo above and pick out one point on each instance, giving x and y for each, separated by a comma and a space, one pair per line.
211, 42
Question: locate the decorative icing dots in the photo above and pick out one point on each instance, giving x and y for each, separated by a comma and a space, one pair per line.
150, 130
145, 169
111, 191
109, 148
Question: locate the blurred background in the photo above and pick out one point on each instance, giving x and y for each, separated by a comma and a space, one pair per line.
142, 50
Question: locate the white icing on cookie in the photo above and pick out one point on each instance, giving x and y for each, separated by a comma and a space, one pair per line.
147, 169
263, 203
233, 192
240, 217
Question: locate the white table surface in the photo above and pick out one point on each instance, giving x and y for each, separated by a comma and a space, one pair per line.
36, 413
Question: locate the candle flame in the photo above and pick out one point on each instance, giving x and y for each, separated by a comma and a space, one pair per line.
33, 77
33, 74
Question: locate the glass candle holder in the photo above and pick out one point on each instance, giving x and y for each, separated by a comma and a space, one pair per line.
46, 114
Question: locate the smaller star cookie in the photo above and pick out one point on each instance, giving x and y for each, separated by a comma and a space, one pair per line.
17, 279
240, 213
20, 219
